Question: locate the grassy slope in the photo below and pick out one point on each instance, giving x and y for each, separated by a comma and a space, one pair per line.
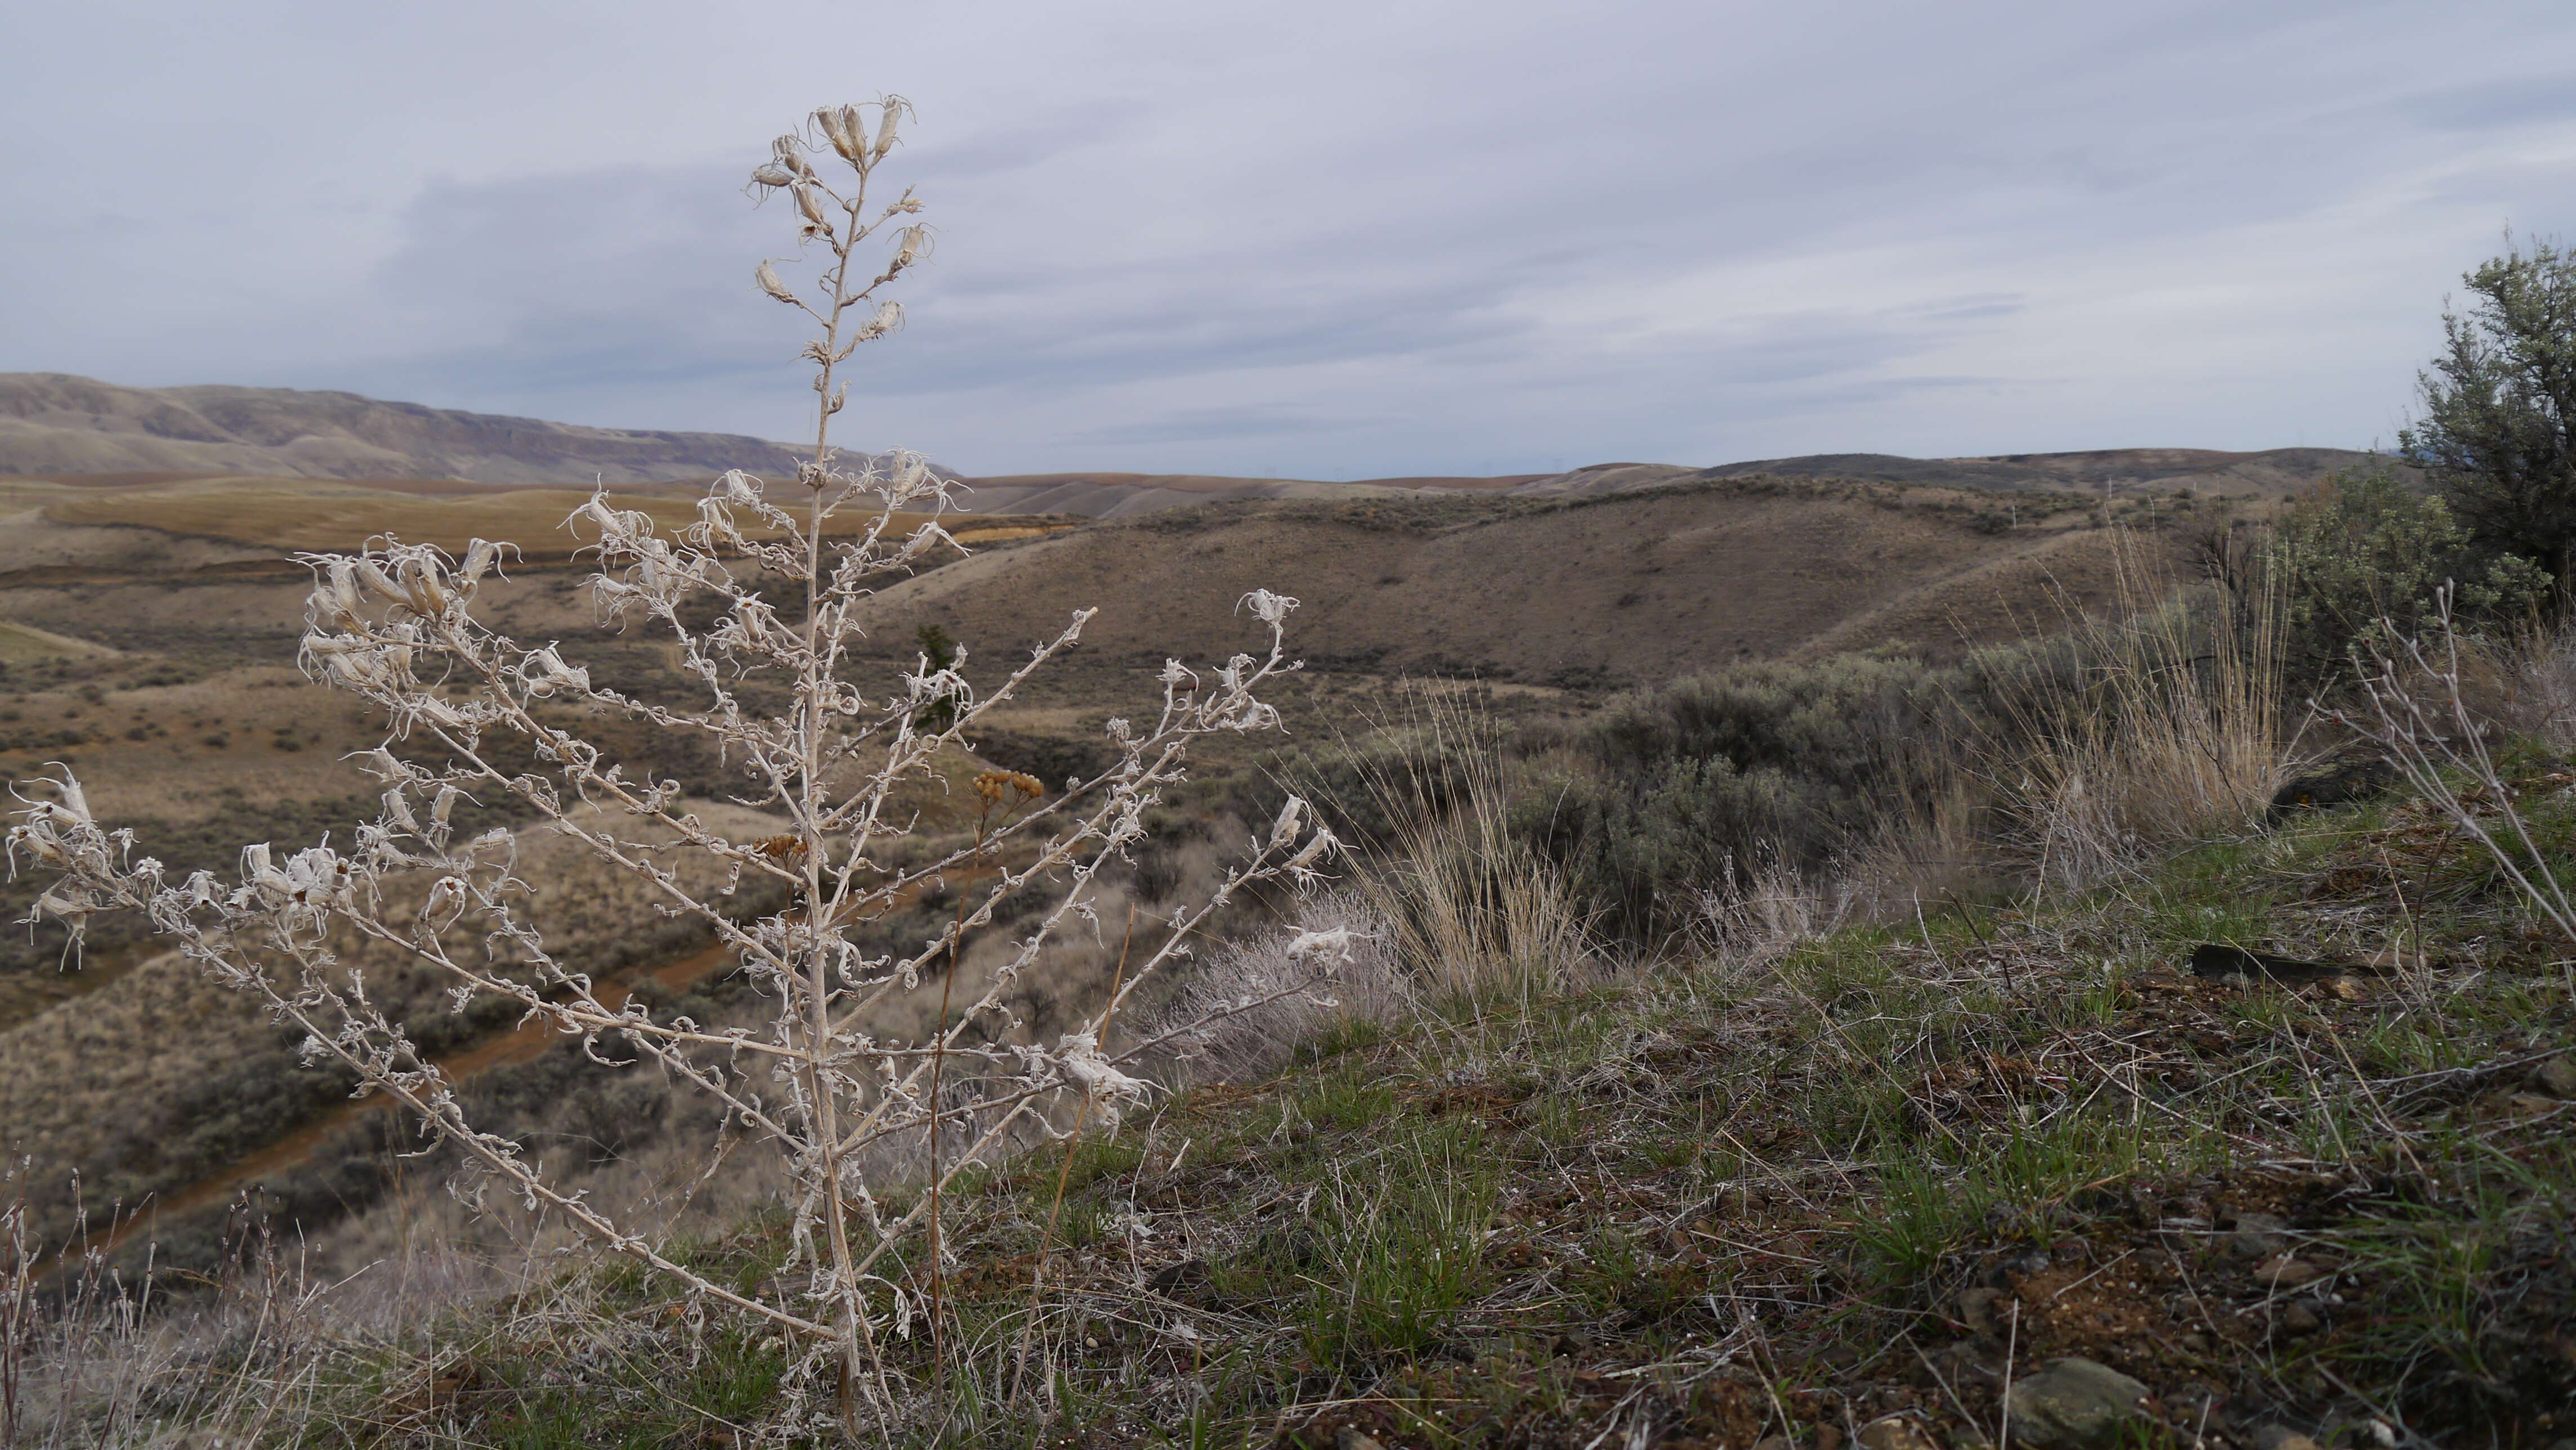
1706, 1203
1631, 588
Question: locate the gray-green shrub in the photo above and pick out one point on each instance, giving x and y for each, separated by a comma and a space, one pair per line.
2360, 558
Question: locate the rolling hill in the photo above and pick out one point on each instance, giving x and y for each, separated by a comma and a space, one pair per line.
58, 424
2122, 472
74, 429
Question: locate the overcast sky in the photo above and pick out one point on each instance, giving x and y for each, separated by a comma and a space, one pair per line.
1322, 239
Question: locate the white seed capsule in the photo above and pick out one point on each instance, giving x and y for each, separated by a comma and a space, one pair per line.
893, 107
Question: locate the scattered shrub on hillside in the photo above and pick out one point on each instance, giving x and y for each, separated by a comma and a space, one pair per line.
2361, 557
1738, 771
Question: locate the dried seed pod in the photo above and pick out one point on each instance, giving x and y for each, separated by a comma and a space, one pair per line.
893, 107
848, 136
766, 277
889, 316
1284, 829
772, 177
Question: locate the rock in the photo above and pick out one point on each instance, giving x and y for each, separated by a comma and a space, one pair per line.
1896, 1432
2258, 1235
2073, 1404
2285, 1272
1773, 1442
2556, 1077
1347, 1438
2300, 1319
1977, 1310
2336, 784
2281, 1437
1180, 1278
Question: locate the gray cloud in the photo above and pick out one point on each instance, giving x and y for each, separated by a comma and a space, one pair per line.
1341, 239
1195, 425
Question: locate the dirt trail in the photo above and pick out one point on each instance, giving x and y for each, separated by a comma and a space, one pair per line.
523, 1043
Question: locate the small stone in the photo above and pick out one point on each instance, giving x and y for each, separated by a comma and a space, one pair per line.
2285, 1272
2299, 1319
1828, 1438
2556, 1077
2530, 1105
1896, 1432
1347, 1438
2281, 1437
2256, 1235
1977, 1310
2073, 1404
1772, 1442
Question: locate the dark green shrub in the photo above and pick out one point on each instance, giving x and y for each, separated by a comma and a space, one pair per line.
1723, 771
2363, 554
2498, 432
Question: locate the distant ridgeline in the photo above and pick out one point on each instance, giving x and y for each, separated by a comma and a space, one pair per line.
56, 425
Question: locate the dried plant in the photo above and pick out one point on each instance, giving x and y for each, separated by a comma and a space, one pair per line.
2171, 726
2415, 708
395, 625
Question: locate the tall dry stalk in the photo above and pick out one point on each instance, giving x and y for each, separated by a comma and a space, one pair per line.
395, 626
2173, 722
17, 1304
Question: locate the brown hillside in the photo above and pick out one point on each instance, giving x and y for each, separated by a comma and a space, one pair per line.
57, 423
196, 521
1635, 587
2123, 472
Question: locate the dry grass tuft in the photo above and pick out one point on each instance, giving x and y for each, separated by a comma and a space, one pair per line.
2145, 730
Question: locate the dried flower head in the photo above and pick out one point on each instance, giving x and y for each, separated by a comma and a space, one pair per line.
993, 785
